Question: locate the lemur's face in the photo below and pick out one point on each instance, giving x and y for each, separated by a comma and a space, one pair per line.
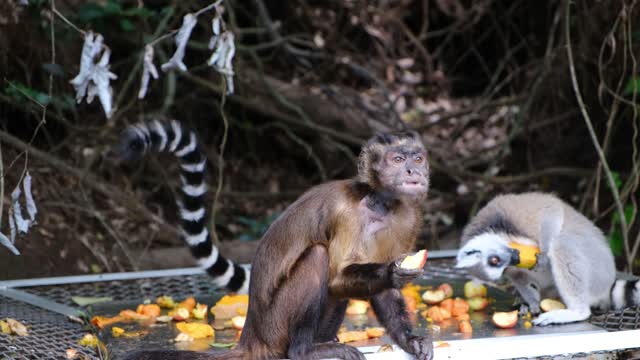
486, 256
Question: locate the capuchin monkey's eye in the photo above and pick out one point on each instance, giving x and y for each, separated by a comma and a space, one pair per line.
398, 159
494, 260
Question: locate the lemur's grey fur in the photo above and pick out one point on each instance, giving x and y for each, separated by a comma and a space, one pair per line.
575, 262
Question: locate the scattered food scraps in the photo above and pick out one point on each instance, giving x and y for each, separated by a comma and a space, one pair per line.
151, 310
350, 336
447, 289
473, 289
182, 337
505, 320
465, 327
4, 327
89, 340
357, 307
117, 331
196, 330
132, 315
165, 302
550, 304
101, 321
71, 353
222, 345
433, 297
179, 314
188, 303
230, 305
238, 322
375, 332
13, 327
199, 312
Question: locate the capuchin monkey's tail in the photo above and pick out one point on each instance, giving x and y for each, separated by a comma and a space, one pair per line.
155, 136
235, 354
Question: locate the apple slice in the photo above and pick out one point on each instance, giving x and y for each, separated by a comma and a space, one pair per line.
433, 297
180, 314
473, 289
238, 322
415, 261
505, 320
478, 303
448, 290
549, 304
357, 307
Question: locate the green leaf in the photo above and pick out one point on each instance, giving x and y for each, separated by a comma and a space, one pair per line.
629, 214
127, 25
85, 300
112, 8
222, 345
616, 179
633, 86
616, 243
22, 92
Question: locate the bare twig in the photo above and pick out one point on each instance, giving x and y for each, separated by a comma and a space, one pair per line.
63, 18
223, 143
594, 138
88, 179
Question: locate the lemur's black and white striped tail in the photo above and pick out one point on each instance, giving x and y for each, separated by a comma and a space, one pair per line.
172, 137
625, 293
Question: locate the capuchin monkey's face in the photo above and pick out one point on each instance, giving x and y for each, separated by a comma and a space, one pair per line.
404, 169
486, 256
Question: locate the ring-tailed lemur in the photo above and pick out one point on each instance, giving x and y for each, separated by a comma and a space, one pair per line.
172, 137
574, 261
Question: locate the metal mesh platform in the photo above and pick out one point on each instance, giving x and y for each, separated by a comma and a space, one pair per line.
129, 290
51, 333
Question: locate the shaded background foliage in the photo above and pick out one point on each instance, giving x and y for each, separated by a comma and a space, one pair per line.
487, 83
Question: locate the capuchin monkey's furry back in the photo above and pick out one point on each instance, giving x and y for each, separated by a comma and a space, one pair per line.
574, 262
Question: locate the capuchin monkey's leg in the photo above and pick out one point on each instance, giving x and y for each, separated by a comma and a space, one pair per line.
302, 298
571, 276
391, 311
331, 320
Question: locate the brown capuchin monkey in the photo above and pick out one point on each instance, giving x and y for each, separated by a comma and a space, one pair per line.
342, 239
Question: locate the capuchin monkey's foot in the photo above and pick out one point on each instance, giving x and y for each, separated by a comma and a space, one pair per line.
331, 350
421, 347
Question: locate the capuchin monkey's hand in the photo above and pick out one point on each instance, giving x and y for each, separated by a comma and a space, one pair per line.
399, 276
